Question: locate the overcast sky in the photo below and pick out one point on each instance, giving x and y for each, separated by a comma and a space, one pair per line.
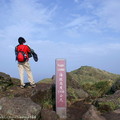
84, 32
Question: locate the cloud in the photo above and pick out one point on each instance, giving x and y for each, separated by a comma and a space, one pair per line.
99, 16
109, 14
48, 51
63, 49
32, 12
79, 32
84, 24
76, 1
21, 18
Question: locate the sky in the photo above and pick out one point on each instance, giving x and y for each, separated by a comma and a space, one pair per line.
83, 32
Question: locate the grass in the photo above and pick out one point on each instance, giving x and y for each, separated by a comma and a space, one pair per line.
107, 106
99, 88
47, 81
94, 81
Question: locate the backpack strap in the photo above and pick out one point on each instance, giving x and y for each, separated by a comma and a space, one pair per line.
16, 52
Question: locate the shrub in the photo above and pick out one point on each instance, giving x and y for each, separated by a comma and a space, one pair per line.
99, 88
107, 106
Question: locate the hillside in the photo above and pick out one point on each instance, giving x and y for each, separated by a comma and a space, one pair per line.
92, 75
88, 74
88, 88
95, 81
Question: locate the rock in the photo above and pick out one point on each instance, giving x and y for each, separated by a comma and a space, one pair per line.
18, 108
109, 102
115, 86
16, 81
74, 90
114, 115
76, 110
71, 82
92, 114
44, 95
5, 81
117, 111
48, 115
81, 93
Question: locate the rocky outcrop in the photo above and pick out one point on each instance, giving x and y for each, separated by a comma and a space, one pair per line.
41, 91
92, 114
76, 110
44, 95
26, 103
5, 81
39, 102
19, 100
18, 107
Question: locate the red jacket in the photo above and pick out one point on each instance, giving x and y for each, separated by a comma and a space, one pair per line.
24, 48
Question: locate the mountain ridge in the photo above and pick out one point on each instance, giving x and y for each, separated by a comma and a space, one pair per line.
88, 88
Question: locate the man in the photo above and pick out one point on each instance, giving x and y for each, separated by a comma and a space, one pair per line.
24, 51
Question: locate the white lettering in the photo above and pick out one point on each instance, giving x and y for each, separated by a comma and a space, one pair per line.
60, 79
61, 83
60, 74
61, 91
60, 65
61, 95
61, 69
61, 100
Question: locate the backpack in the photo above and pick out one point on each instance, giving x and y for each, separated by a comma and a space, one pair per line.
21, 56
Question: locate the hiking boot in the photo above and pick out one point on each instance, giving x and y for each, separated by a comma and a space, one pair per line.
33, 85
22, 86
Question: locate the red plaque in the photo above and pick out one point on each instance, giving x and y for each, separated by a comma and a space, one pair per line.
61, 87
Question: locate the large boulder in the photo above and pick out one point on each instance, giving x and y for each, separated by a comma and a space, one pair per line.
81, 93
18, 108
43, 95
5, 81
76, 110
92, 114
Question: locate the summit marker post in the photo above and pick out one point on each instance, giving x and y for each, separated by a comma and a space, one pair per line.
61, 87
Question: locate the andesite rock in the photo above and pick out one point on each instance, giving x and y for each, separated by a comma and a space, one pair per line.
5, 81
92, 114
42, 93
113, 115
18, 108
81, 93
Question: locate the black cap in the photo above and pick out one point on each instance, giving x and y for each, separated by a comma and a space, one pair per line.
21, 40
